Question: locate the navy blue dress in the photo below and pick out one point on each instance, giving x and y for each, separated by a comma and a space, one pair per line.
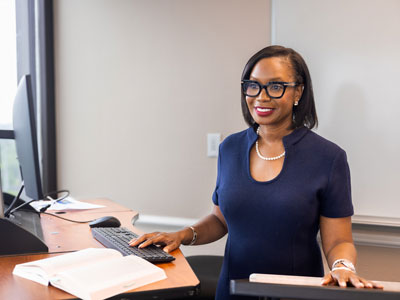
273, 225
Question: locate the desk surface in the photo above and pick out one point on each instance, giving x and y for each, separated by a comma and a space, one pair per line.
63, 236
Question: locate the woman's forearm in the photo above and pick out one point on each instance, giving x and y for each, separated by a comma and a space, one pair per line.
208, 230
343, 250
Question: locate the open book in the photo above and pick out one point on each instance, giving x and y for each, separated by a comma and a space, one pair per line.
92, 273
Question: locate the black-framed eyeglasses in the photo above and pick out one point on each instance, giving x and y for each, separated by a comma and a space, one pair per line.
274, 89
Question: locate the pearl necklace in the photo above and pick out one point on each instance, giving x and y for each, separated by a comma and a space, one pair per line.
266, 158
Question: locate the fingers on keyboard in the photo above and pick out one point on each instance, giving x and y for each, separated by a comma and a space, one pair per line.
156, 238
140, 239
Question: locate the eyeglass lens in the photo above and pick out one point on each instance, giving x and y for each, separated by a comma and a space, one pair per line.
253, 89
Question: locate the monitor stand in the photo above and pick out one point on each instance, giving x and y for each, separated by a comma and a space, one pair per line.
21, 233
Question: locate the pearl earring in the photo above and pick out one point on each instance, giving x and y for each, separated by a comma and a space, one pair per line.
296, 103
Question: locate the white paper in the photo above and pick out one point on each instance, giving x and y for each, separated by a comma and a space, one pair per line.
68, 203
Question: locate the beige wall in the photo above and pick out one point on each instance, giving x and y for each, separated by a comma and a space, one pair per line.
379, 263
139, 84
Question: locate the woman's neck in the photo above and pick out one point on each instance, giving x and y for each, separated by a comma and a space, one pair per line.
272, 134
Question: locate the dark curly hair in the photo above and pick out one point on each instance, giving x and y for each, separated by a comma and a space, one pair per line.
305, 113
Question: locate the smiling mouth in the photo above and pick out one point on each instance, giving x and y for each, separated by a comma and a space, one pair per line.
262, 109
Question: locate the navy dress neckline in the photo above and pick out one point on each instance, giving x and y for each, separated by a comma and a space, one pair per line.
287, 140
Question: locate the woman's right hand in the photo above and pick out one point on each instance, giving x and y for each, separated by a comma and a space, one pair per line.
209, 229
170, 240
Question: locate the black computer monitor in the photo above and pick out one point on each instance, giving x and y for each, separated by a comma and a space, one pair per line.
26, 139
21, 231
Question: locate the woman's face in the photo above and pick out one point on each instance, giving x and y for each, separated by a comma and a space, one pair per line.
266, 110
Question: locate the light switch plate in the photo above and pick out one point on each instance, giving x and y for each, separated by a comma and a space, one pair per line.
213, 141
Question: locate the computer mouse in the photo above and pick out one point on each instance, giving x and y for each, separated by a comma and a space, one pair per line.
107, 221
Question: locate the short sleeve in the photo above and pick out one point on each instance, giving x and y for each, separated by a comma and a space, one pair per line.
336, 200
215, 194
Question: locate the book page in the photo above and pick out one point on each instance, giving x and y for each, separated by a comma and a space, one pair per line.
41, 270
108, 277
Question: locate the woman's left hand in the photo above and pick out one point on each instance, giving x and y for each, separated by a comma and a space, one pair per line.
343, 277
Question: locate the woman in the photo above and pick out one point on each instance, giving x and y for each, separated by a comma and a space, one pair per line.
278, 184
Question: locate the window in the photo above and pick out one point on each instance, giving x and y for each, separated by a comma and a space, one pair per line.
8, 82
28, 52
8, 62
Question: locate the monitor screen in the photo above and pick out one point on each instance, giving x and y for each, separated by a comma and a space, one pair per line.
26, 139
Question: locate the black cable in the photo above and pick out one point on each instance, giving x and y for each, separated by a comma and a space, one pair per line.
10, 208
56, 193
43, 209
74, 221
22, 205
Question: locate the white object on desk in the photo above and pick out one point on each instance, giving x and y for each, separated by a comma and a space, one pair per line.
68, 203
92, 273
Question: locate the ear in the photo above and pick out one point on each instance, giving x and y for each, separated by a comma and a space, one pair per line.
298, 92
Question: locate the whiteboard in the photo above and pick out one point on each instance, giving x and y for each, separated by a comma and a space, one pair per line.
352, 49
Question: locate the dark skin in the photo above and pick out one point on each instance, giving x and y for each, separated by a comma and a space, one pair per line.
336, 235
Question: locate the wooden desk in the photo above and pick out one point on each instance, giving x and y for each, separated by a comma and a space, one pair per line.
63, 236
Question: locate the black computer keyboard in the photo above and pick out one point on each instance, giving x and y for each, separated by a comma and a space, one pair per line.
118, 238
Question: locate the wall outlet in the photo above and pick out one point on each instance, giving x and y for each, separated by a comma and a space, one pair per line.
213, 141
